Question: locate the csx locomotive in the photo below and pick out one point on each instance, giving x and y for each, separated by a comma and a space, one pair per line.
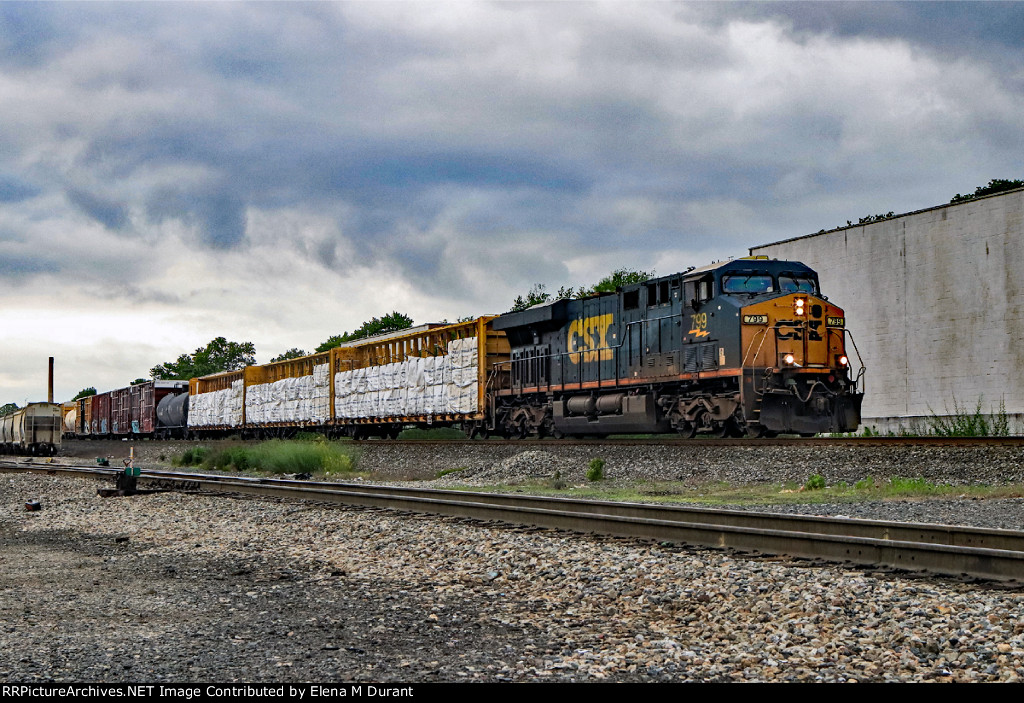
748, 346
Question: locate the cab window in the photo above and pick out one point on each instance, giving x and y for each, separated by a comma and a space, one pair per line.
747, 283
789, 283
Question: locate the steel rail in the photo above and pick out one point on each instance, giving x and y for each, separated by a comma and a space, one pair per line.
675, 441
944, 549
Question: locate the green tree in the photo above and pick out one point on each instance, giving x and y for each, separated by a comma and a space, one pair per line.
8, 408
138, 381
536, 296
619, 278
219, 355
996, 185
616, 279
290, 354
84, 392
392, 322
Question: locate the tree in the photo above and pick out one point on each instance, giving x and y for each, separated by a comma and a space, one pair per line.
219, 355
138, 381
392, 322
616, 279
8, 408
290, 354
619, 278
85, 392
536, 296
996, 185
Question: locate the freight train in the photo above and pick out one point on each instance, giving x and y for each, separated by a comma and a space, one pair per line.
744, 347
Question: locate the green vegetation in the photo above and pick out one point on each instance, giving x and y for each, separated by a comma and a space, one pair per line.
392, 322
436, 433
217, 356
193, 456
8, 408
445, 472
85, 392
293, 353
274, 456
596, 470
996, 185
815, 483
721, 493
870, 219
616, 279
963, 422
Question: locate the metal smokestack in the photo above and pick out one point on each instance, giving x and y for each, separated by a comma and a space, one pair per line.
49, 387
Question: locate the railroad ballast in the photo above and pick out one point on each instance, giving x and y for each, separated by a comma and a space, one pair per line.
748, 346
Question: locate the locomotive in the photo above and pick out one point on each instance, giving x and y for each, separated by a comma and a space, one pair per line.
747, 346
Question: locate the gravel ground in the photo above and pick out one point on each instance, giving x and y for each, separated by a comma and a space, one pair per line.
175, 587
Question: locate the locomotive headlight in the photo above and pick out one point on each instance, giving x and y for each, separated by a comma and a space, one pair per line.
843, 361
789, 359
799, 306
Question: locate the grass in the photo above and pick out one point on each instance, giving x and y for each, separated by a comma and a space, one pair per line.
595, 472
962, 422
436, 433
445, 472
723, 493
275, 456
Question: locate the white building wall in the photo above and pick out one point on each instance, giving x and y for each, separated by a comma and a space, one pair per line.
935, 303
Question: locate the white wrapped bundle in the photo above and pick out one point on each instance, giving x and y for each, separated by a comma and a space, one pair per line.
468, 399
343, 384
414, 375
359, 384
373, 378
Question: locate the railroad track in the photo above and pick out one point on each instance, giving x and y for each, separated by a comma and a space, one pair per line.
942, 549
658, 440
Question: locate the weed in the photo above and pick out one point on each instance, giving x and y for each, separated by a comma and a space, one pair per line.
596, 470
909, 486
435, 433
556, 481
193, 456
815, 483
280, 457
865, 484
963, 422
442, 474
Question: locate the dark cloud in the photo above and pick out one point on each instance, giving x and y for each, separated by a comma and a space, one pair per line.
14, 189
28, 35
110, 214
954, 28
575, 127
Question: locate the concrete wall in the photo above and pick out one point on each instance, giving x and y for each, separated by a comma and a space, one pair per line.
935, 302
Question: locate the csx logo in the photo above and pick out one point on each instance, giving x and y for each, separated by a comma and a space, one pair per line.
590, 334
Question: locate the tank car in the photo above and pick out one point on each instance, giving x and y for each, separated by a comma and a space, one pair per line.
34, 429
747, 346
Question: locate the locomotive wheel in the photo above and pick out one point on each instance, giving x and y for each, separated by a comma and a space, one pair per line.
688, 430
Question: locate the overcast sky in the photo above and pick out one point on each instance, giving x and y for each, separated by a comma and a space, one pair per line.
278, 173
